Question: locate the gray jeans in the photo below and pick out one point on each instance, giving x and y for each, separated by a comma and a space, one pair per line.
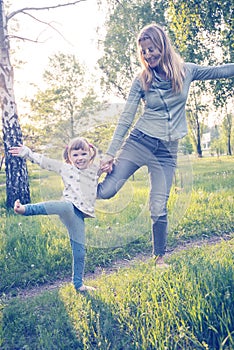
73, 219
160, 157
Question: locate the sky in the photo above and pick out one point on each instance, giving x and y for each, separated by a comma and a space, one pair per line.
77, 25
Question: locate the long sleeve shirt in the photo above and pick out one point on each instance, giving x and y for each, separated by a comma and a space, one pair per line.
164, 111
80, 185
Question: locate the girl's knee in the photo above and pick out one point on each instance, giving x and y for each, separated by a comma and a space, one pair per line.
68, 208
78, 247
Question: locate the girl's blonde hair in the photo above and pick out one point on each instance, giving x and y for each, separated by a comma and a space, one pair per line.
79, 143
171, 62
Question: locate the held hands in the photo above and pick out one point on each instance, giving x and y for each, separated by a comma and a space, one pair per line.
106, 164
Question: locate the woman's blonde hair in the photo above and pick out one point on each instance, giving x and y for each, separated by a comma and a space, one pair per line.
79, 143
171, 62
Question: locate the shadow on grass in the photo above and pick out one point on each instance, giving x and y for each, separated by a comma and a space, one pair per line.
61, 320
38, 323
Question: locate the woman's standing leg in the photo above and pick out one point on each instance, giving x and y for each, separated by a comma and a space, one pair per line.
161, 170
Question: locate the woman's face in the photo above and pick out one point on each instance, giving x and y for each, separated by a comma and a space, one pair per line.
151, 54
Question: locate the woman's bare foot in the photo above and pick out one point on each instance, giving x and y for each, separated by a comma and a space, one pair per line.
85, 288
159, 261
19, 208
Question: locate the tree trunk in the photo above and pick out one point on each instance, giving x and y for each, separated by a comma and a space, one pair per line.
229, 147
229, 132
17, 185
199, 149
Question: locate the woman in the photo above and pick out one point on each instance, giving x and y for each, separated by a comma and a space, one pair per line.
163, 86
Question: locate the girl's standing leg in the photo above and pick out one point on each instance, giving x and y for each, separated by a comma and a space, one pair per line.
73, 219
78, 263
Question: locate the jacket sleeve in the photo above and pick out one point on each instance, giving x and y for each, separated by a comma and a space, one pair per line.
126, 118
212, 72
41, 160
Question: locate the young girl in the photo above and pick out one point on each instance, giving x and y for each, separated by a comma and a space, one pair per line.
80, 176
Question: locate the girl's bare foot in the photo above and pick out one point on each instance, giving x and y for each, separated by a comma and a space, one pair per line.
19, 208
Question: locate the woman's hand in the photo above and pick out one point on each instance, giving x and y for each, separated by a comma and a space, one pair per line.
106, 164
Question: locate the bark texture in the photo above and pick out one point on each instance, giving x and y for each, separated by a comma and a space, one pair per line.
17, 185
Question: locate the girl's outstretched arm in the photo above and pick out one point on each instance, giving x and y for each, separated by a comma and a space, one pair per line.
44, 162
19, 151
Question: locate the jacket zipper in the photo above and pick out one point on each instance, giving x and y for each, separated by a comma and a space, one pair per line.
168, 113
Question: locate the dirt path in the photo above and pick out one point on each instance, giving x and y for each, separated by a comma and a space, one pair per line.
118, 264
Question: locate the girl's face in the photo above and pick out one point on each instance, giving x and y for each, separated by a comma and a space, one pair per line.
151, 54
80, 158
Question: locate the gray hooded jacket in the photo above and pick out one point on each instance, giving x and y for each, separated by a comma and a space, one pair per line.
164, 111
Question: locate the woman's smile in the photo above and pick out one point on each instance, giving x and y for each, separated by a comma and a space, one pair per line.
150, 53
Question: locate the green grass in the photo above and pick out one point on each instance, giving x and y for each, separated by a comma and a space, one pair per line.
188, 306
34, 250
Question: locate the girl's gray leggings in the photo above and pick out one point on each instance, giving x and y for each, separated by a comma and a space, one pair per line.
73, 219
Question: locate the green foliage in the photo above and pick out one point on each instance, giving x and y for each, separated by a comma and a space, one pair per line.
199, 28
67, 102
101, 136
119, 62
196, 28
196, 24
185, 145
188, 306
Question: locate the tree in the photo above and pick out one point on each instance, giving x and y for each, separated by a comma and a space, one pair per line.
65, 107
185, 27
185, 146
196, 114
119, 63
217, 145
223, 98
227, 132
199, 28
17, 185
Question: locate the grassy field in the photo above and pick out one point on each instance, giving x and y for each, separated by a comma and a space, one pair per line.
188, 306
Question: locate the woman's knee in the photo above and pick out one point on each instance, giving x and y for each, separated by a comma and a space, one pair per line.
157, 210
